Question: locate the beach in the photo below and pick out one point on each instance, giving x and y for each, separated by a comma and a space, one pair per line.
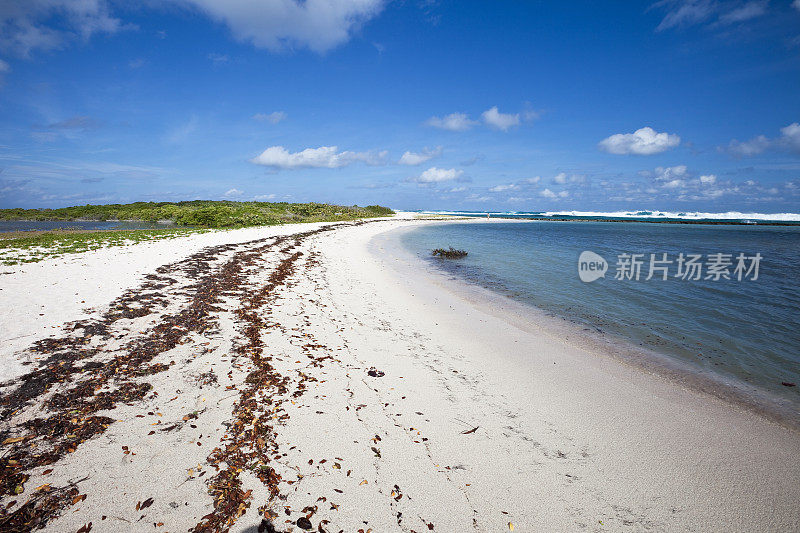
317, 377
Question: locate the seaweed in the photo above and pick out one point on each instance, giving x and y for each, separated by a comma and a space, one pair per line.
450, 253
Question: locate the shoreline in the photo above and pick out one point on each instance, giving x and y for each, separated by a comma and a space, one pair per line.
294, 376
593, 339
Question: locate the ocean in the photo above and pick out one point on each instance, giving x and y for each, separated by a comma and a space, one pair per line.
742, 330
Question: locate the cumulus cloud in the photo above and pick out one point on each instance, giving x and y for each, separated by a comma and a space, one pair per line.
263, 197
319, 25
644, 141
547, 193
272, 118
788, 140
438, 175
417, 158
452, 122
32, 25
322, 157
790, 137
493, 118
673, 184
708, 179
560, 178
233, 193
670, 173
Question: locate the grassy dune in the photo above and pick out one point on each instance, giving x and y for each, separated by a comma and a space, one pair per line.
206, 213
202, 215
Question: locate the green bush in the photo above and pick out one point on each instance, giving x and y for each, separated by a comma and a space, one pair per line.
204, 213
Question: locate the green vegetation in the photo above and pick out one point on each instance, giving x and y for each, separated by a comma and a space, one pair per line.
200, 214
56, 243
204, 213
450, 253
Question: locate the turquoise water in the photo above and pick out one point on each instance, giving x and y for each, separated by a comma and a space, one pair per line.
748, 330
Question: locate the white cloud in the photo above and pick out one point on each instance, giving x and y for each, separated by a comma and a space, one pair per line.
670, 173
790, 135
476, 198
272, 118
501, 188
644, 141
746, 12
263, 197
26, 26
322, 157
796, 4
4, 67
319, 25
562, 177
547, 193
754, 146
685, 13
708, 179
523, 184
530, 115
233, 193
497, 120
417, 158
438, 175
673, 184
452, 122
788, 140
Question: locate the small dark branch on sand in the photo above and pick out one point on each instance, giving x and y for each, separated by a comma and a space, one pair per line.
450, 253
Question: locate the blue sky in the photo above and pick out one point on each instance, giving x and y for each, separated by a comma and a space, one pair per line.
682, 105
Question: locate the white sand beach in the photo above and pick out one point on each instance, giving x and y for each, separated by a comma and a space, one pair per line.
286, 378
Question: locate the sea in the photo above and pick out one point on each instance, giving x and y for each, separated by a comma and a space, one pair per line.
723, 300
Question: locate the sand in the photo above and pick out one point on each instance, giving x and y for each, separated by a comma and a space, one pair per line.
337, 379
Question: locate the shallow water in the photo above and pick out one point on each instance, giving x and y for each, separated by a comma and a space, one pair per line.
47, 225
748, 329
